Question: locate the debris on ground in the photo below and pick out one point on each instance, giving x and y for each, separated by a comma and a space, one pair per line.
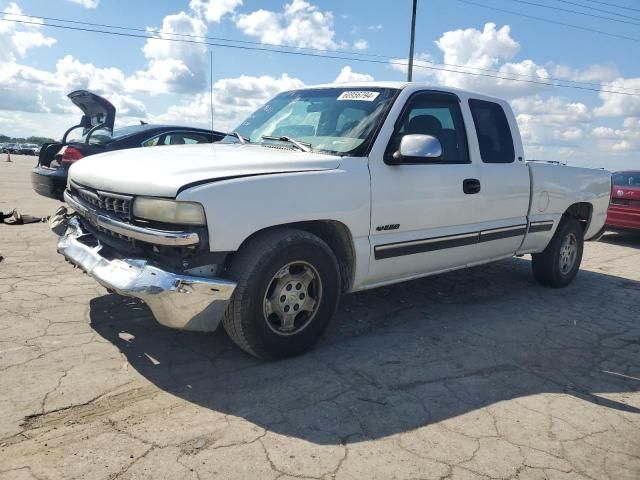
15, 218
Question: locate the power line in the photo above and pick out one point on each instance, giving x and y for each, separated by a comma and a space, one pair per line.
189, 35
596, 9
576, 12
548, 20
542, 81
614, 5
390, 59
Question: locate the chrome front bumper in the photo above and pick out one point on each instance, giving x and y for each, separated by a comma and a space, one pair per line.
177, 301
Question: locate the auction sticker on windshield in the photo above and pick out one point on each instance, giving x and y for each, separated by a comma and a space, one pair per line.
359, 95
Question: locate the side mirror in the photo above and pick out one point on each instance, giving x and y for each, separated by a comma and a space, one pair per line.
418, 148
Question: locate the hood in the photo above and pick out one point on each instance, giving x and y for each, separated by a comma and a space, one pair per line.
162, 171
96, 110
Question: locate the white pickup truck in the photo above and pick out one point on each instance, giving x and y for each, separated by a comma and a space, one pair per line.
325, 190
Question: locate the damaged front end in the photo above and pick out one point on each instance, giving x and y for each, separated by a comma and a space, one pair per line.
137, 261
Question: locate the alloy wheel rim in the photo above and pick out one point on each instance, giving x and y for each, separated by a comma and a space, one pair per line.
568, 253
292, 298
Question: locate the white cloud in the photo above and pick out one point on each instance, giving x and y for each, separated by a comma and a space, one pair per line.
233, 100
348, 75
127, 106
86, 3
26, 89
175, 67
17, 38
625, 139
214, 10
616, 105
592, 73
300, 24
550, 122
23, 41
475, 51
360, 44
72, 74
478, 48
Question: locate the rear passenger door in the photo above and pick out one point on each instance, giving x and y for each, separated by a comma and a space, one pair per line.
504, 178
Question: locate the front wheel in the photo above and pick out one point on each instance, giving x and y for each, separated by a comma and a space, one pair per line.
559, 263
288, 288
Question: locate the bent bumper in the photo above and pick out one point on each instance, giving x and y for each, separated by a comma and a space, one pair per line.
177, 301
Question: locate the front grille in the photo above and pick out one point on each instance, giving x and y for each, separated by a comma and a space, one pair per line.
115, 203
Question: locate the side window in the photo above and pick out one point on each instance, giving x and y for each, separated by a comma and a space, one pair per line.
190, 138
152, 142
494, 134
177, 138
437, 115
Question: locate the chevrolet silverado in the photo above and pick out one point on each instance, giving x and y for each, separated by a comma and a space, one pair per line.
323, 191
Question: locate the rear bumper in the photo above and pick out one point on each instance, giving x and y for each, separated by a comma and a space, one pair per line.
177, 301
623, 218
49, 182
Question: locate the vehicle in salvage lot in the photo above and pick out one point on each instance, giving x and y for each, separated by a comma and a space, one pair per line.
29, 149
624, 208
10, 148
49, 177
324, 190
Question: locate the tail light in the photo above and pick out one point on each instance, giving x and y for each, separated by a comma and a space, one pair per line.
70, 155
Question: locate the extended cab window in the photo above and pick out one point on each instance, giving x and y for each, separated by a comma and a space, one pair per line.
494, 134
437, 115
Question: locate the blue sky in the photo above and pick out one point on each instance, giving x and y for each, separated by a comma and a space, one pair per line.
167, 82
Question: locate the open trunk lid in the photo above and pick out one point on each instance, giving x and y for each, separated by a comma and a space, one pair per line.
98, 111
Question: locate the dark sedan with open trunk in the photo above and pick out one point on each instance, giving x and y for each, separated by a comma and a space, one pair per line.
49, 177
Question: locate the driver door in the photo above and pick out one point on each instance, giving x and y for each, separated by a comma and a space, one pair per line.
423, 211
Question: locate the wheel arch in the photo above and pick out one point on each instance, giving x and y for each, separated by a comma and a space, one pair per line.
581, 211
334, 233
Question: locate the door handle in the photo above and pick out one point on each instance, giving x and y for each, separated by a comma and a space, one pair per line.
471, 186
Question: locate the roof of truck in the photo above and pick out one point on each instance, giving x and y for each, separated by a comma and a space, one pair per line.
400, 86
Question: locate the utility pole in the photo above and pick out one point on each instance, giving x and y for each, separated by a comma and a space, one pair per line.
411, 42
211, 92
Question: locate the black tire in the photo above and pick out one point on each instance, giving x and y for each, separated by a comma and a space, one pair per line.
547, 268
253, 269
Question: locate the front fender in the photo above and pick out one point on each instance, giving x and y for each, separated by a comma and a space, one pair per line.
238, 207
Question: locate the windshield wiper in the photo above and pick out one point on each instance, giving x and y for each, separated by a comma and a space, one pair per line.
242, 139
305, 147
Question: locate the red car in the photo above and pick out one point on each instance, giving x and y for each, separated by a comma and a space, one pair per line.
624, 208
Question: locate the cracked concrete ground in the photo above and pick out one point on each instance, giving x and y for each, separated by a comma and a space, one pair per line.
475, 374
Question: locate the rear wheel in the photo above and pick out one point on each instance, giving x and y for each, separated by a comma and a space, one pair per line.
288, 288
559, 263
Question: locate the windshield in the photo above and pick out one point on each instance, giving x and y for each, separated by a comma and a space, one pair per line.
332, 120
104, 136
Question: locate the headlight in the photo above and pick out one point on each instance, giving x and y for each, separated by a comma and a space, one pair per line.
169, 211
